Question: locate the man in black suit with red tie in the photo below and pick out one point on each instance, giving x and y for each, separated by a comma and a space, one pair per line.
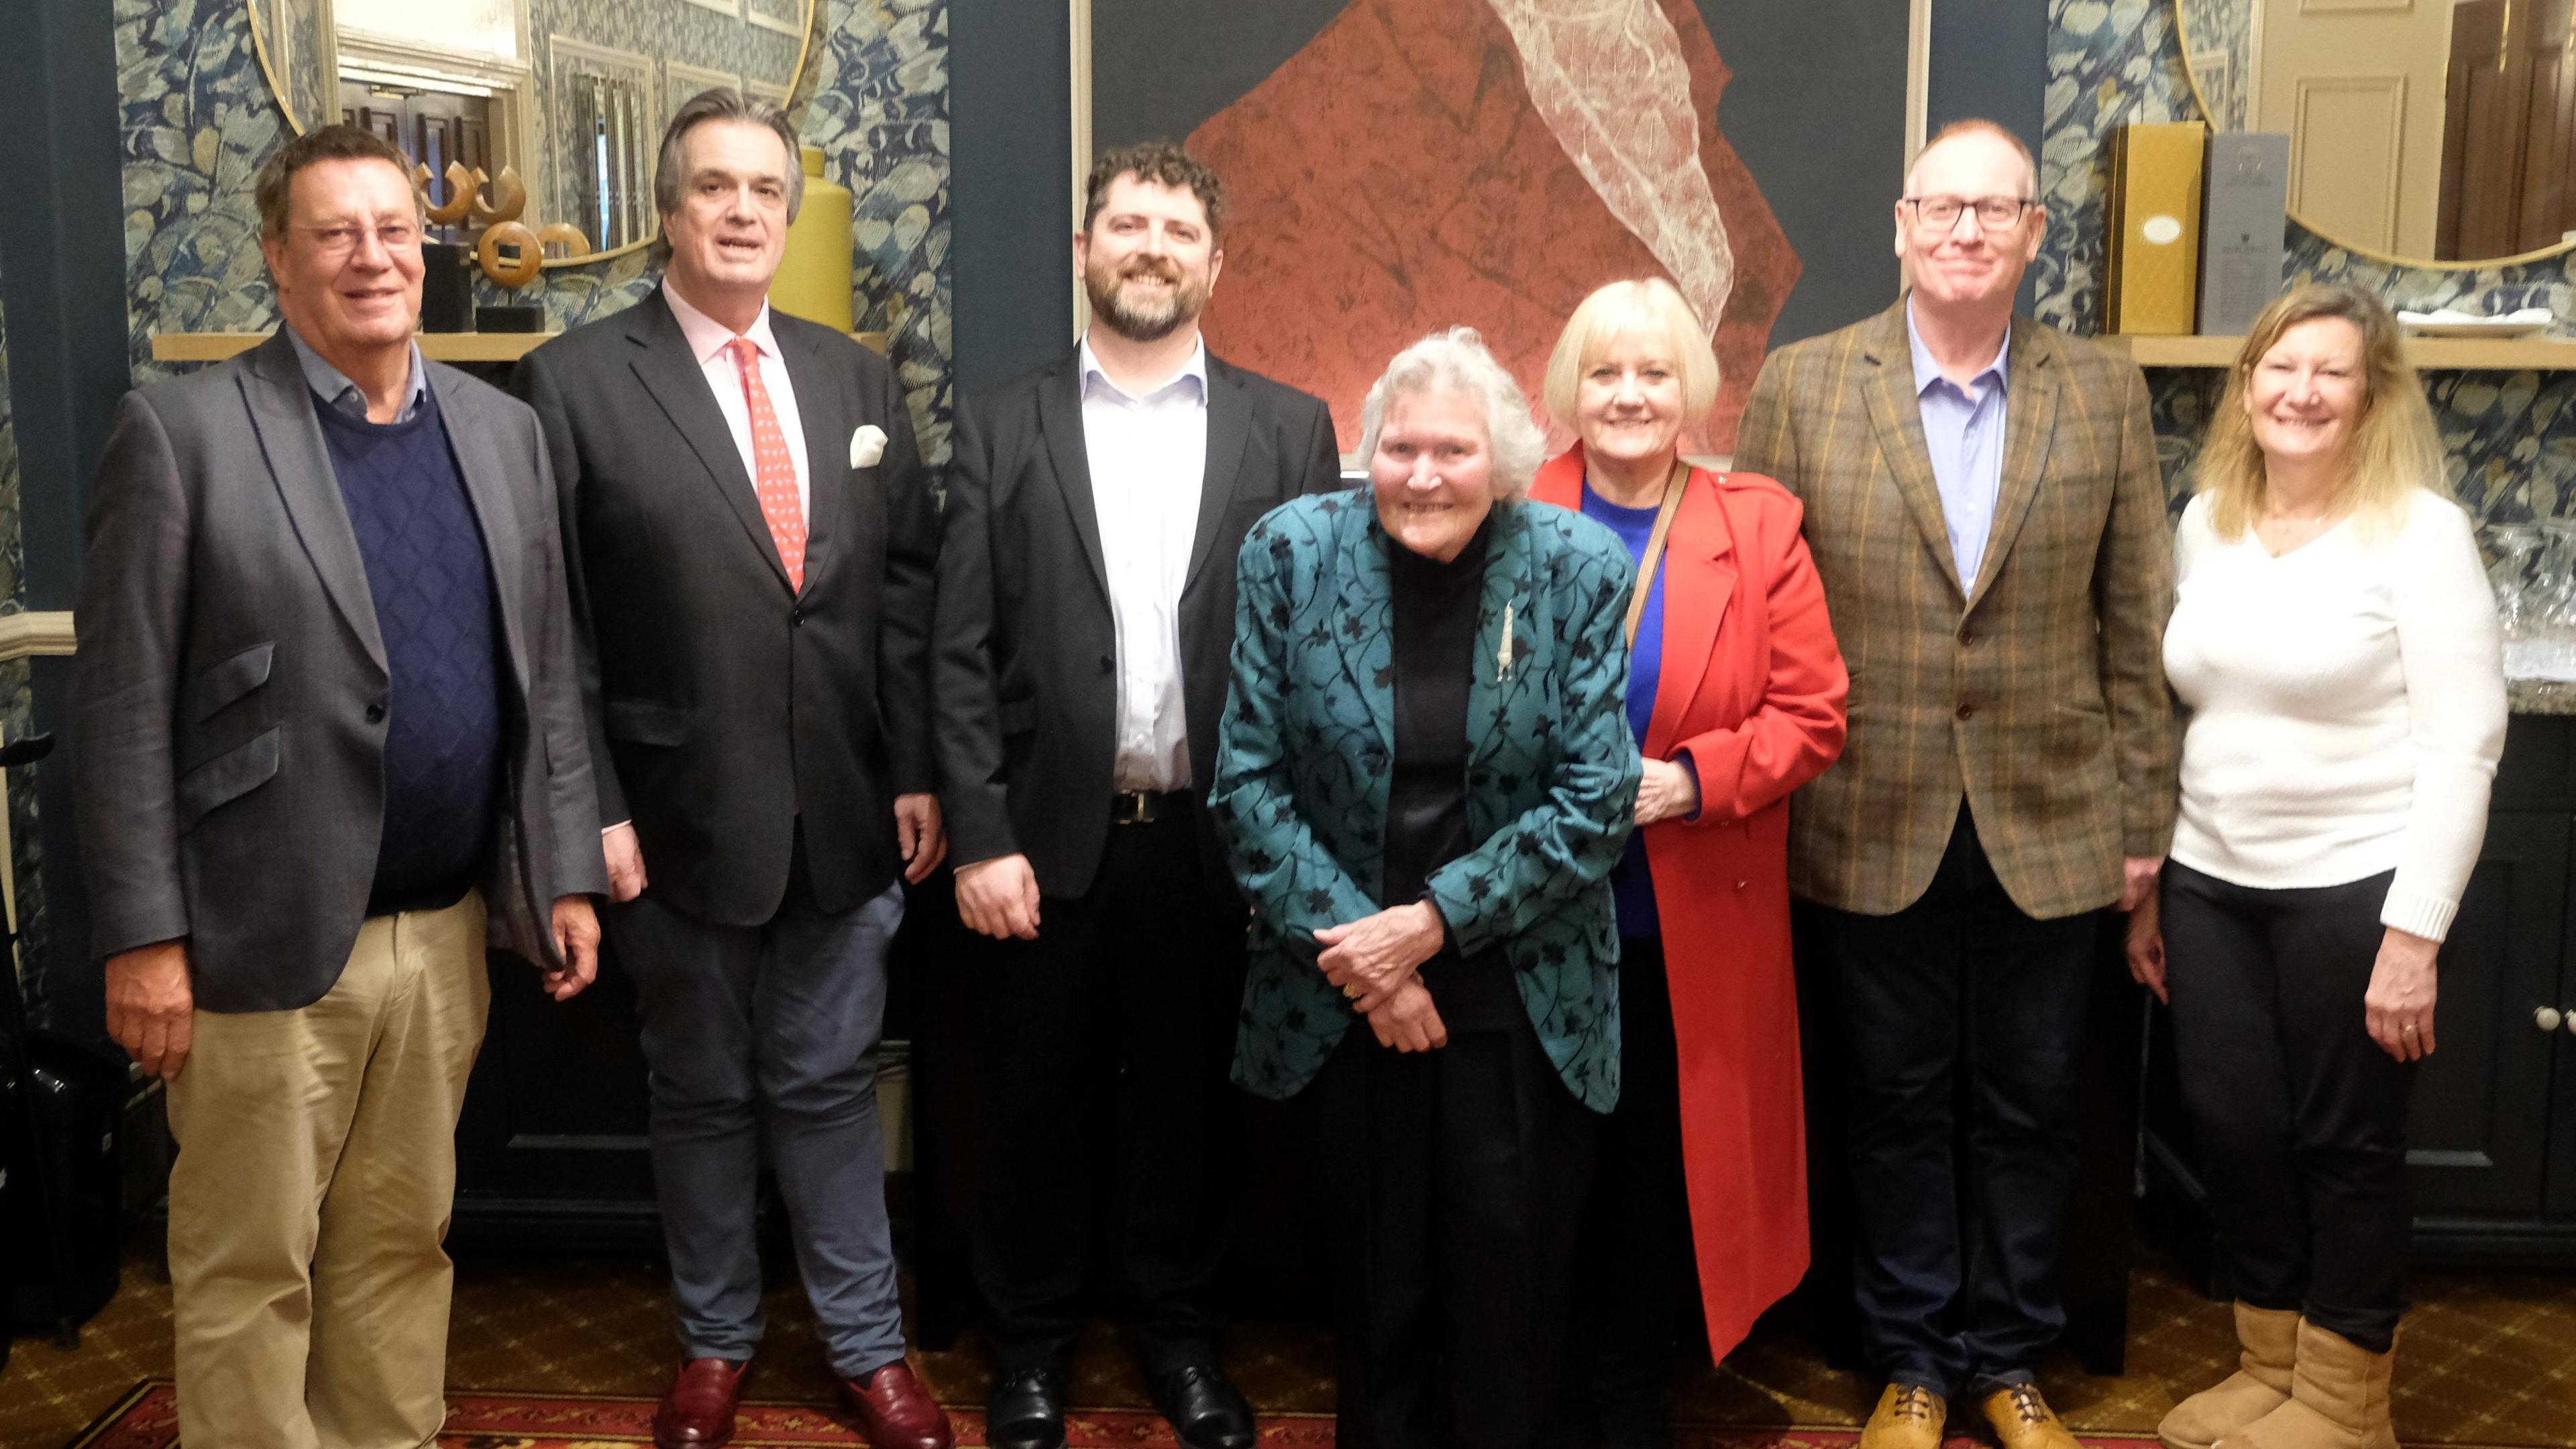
751, 542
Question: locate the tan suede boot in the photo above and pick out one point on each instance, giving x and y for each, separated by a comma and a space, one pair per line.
2261, 1383
1908, 1416
2338, 1399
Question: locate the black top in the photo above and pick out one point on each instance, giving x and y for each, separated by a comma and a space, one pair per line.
431, 582
1435, 607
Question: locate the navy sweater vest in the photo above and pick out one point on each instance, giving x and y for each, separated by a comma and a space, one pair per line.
431, 580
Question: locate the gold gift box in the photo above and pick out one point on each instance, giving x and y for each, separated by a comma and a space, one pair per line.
2151, 276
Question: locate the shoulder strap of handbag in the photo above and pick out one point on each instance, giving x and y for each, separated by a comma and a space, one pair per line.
1674, 487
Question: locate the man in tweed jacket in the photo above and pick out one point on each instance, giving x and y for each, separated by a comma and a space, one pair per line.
1983, 502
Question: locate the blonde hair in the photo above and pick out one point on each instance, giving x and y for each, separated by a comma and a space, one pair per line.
1651, 307
1458, 361
2394, 448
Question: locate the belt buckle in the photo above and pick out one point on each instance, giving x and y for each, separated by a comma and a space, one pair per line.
1132, 807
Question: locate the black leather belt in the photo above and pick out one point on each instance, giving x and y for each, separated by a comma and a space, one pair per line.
1144, 807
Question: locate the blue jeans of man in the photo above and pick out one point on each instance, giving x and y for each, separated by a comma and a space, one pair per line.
1962, 1017
779, 1020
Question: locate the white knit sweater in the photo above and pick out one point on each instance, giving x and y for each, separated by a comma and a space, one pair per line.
2347, 707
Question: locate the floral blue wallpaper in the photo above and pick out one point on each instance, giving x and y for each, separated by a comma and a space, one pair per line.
199, 118
17, 709
2511, 436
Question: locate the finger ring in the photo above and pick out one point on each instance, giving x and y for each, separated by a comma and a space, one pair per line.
1352, 990
2408, 1028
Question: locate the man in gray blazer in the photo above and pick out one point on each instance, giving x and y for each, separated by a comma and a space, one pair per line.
327, 745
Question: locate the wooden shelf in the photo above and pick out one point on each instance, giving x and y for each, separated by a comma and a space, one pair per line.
2429, 354
436, 346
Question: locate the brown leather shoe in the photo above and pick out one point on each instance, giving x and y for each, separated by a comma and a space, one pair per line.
2023, 1420
1909, 1416
895, 1411
697, 1411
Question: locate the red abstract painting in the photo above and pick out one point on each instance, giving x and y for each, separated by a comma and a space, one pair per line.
1424, 163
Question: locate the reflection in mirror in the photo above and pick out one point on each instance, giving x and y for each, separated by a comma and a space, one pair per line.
571, 95
2419, 129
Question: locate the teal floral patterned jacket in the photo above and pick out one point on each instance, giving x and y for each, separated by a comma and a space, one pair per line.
1304, 761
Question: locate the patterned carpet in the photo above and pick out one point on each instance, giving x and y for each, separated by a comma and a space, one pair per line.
2488, 1359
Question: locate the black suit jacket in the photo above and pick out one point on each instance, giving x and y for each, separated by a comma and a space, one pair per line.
230, 698
1026, 670
722, 703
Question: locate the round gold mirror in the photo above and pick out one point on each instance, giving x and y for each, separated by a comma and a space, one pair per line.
560, 102
2421, 134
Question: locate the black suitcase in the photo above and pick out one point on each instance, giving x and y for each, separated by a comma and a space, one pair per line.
61, 1182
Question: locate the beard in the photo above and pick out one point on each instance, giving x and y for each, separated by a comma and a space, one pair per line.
1147, 321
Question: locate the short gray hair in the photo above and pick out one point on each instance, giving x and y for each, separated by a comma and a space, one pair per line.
724, 103
1457, 360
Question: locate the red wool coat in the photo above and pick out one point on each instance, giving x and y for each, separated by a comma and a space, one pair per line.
1752, 685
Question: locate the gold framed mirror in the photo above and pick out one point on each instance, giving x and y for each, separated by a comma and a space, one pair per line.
570, 96
2423, 133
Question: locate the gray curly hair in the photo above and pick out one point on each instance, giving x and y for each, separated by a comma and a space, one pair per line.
1457, 360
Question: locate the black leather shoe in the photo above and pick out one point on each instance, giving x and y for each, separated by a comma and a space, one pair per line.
1026, 1410
1205, 1407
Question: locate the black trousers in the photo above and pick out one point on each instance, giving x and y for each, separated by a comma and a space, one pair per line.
1453, 1182
1108, 1042
1962, 1016
1636, 1312
2299, 1114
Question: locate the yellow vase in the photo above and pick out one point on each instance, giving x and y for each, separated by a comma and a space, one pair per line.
813, 280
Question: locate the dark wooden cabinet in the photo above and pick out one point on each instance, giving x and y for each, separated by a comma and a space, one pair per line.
2492, 1141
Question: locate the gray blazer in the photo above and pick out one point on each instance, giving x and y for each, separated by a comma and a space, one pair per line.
228, 697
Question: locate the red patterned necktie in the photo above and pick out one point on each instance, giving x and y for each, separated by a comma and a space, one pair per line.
774, 473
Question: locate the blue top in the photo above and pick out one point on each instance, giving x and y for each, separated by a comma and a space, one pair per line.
1630, 885
1963, 430
430, 579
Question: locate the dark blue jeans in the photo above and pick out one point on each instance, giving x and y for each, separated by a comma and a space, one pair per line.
777, 1024
1962, 1016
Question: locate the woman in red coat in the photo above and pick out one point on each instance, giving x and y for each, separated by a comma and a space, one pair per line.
1735, 692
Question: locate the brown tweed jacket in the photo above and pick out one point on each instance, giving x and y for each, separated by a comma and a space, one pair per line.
2036, 692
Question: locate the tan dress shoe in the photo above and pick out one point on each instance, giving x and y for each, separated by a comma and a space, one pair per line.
2023, 1420
1908, 1416
2261, 1383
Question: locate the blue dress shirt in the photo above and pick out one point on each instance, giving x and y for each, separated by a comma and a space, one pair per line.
1963, 429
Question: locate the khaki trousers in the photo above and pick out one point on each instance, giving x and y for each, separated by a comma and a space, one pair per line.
316, 1172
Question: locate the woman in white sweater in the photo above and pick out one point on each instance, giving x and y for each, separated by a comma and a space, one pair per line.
2335, 642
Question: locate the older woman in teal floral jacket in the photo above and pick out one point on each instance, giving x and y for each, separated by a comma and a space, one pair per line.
1424, 776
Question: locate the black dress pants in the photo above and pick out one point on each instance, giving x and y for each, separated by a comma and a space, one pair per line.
1962, 1017
1637, 1313
2299, 1114
1453, 1182
1108, 1043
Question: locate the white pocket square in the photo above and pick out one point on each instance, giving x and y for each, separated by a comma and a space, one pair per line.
866, 446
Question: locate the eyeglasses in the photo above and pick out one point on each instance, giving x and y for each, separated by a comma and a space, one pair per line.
1994, 213
339, 241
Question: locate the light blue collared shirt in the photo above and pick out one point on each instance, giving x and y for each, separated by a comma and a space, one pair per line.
334, 387
1963, 429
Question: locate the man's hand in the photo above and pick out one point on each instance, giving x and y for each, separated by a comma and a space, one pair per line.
1408, 1022
999, 897
151, 1008
1666, 791
2146, 948
2398, 1007
577, 941
625, 861
918, 834
2138, 878
1370, 957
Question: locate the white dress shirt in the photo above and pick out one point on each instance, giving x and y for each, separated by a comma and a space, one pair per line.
711, 343
1148, 459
